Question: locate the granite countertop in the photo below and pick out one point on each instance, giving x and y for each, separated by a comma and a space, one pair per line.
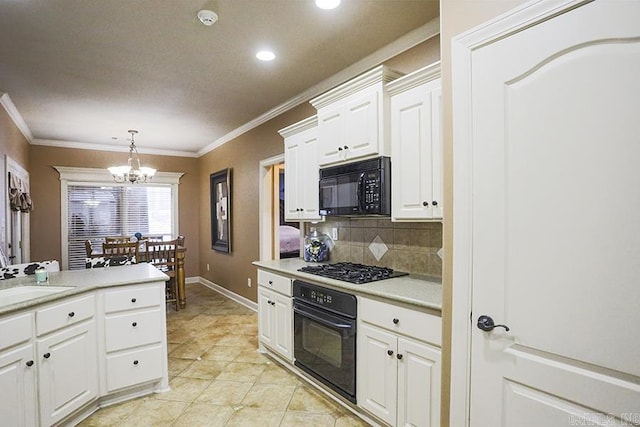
80, 281
419, 291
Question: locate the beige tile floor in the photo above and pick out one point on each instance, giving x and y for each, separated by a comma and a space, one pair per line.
218, 378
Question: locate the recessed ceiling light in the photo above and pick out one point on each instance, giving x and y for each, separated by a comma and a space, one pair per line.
266, 55
327, 4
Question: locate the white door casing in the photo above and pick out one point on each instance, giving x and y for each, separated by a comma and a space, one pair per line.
546, 238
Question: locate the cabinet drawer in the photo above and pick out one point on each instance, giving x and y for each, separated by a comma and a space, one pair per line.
416, 324
66, 313
274, 281
15, 330
134, 367
132, 297
133, 329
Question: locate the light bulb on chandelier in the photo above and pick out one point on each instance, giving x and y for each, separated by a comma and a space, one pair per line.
132, 171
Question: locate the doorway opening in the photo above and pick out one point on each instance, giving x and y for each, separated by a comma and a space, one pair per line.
278, 238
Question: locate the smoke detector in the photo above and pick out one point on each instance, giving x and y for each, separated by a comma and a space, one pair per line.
207, 17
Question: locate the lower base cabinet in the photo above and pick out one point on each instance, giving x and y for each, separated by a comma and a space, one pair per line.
54, 357
398, 375
18, 400
68, 371
275, 313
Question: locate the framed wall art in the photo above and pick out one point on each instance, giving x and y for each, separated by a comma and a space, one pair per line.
220, 183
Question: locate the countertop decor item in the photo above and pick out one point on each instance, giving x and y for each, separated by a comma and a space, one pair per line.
316, 246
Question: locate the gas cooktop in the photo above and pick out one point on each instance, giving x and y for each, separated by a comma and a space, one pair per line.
353, 273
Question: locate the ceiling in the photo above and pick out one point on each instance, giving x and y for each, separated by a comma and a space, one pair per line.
81, 73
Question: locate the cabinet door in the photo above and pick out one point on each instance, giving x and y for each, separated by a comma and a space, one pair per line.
293, 162
283, 319
265, 316
414, 125
331, 138
301, 176
68, 375
308, 176
436, 151
18, 401
377, 372
418, 384
361, 125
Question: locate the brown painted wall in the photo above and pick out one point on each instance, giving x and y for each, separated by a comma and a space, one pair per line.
16, 146
456, 16
243, 155
45, 190
12, 142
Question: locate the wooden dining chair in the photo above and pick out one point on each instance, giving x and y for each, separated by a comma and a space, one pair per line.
163, 255
88, 247
130, 250
117, 239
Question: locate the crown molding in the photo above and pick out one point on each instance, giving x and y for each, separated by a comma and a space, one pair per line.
406, 42
105, 147
411, 80
305, 124
15, 116
77, 174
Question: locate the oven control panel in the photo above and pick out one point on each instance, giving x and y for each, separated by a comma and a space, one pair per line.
336, 301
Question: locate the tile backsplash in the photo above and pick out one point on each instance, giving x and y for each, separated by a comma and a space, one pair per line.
410, 247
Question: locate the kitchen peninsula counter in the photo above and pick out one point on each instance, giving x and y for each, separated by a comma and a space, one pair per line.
418, 291
81, 281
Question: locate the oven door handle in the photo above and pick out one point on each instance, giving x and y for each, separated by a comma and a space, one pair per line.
323, 320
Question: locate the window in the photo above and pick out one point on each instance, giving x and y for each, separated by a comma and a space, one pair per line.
93, 210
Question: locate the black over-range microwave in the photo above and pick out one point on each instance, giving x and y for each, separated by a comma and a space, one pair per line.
358, 188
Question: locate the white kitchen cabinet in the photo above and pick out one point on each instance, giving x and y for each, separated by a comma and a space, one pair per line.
68, 371
416, 146
66, 356
134, 330
275, 313
398, 366
18, 400
353, 118
301, 171
52, 355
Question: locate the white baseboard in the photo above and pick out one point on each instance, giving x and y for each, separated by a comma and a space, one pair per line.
224, 291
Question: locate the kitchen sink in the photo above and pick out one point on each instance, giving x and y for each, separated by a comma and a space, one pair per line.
25, 293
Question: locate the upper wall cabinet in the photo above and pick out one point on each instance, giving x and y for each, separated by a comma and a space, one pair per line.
416, 146
301, 171
353, 118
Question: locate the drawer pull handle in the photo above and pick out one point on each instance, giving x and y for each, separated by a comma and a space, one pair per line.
72, 314
135, 362
46, 355
133, 300
390, 352
134, 324
399, 356
30, 363
396, 321
271, 282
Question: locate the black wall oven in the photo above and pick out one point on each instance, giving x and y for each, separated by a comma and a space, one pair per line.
325, 336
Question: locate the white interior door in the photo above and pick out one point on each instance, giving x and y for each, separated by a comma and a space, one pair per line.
555, 232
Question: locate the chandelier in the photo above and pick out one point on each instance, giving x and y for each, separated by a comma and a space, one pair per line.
132, 171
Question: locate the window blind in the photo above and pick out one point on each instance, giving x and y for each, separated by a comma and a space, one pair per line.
96, 211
